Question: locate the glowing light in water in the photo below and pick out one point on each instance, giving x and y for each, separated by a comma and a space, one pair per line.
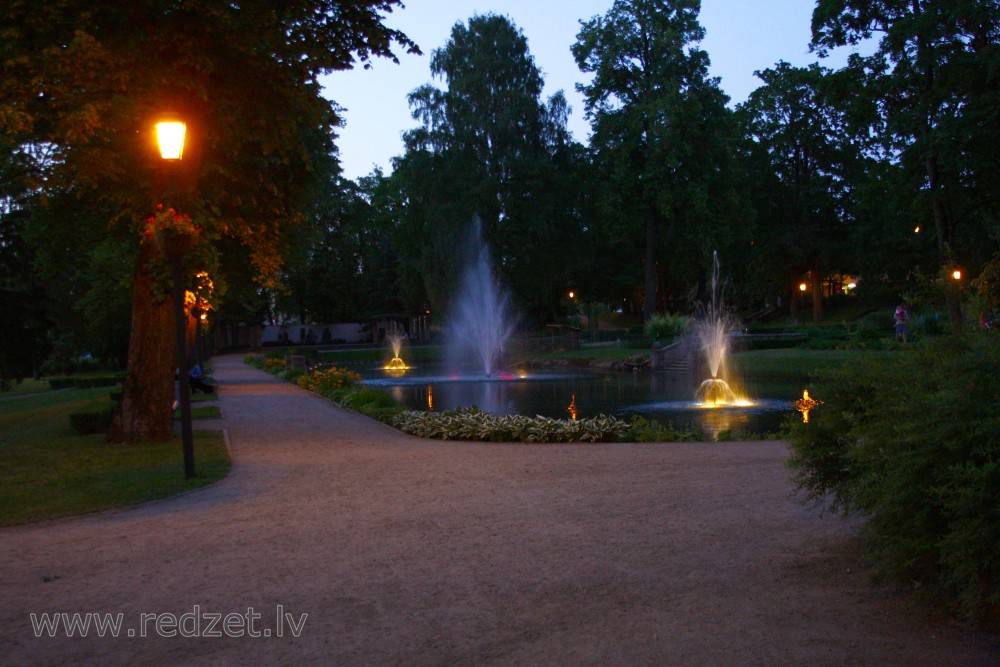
396, 364
572, 407
805, 404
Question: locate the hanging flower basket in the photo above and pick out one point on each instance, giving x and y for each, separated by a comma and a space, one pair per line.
174, 234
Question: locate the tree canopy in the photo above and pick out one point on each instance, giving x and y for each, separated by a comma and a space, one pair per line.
935, 76
489, 148
85, 82
662, 130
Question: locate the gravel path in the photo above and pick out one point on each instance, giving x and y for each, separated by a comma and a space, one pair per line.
410, 552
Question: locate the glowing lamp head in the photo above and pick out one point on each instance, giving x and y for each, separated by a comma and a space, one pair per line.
956, 274
170, 138
803, 287
572, 295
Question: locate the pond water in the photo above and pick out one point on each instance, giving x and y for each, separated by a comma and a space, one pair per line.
664, 397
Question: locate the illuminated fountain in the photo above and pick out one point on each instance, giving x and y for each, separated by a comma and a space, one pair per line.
477, 373
481, 321
713, 333
396, 365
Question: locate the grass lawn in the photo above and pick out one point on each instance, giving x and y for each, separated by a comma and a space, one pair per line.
51, 472
26, 386
799, 363
206, 412
414, 354
601, 353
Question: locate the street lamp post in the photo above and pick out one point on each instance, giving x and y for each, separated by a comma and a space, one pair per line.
170, 137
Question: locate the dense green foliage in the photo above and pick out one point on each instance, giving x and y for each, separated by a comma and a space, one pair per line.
805, 160
663, 139
471, 423
487, 149
81, 85
914, 446
667, 326
932, 91
820, 174
642, 429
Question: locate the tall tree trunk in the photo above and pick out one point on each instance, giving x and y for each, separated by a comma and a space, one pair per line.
649, 293
146, 408
817, 294
191, 334
942, 226
944, 235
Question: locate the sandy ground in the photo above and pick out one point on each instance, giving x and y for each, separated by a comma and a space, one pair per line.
409, 552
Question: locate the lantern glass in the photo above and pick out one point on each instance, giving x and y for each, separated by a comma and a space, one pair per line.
170, 137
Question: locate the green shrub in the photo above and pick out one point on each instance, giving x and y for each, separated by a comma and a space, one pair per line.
291, 375
875, 325
273, 365
374, 403
915, 447
328, 379
666, 326
474, 424
89, 423
642, 429
929, 324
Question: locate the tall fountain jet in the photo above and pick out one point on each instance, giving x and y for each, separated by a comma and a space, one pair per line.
481, 321
713, 332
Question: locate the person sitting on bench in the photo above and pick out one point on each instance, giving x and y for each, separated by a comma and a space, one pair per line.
198, 381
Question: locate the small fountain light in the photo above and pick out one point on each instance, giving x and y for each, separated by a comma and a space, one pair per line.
805, 404
572, 407
396, 365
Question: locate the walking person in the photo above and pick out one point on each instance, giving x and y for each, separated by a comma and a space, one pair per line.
900, 317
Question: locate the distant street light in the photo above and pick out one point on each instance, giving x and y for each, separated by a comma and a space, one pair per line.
956, 274
803, 287
170, 138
